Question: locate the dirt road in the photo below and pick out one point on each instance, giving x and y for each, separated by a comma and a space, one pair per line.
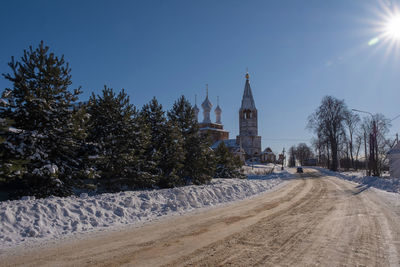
312, 221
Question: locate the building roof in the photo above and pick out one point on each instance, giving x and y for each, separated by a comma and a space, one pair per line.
206, 105
212, 129
218, 109
230, 143
247, 100
395, 149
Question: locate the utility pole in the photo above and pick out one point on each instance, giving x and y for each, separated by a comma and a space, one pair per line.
373, 145
375, 140
371, 153
365, 151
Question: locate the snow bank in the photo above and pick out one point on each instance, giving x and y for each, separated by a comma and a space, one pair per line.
385, 183
31, 220
260, 169
278, 173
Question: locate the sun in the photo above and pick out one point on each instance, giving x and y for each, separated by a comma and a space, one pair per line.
383, 28
392, 28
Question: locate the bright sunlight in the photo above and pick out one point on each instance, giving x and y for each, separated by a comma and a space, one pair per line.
393, 27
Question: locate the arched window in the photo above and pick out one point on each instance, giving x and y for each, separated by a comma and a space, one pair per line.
247, 114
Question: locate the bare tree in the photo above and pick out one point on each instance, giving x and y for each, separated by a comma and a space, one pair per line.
292, 156
357, 146
352, 121
383, 143
318, 148
343, 150
303, 153
328, 123
321, 148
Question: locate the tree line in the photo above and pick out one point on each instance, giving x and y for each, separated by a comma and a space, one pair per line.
52, 144
300, 154
345, 140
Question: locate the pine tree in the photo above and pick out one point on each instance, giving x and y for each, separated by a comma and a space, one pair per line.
39, 149
153, 119
203, 160
115, 139
172, 157
164, 153
198, 157
227, 164
80, 123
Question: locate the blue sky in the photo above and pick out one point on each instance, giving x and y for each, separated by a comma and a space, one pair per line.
296, 52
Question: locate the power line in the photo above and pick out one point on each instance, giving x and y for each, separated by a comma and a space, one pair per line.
285, 139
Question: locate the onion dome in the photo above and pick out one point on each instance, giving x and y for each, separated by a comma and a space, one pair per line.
218, 112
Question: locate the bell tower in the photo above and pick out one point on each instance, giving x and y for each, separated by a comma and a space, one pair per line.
248, 124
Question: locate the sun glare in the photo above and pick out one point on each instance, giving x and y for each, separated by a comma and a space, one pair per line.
393, 27
384, 29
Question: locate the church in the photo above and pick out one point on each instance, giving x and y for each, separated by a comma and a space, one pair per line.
214, 130
247, 144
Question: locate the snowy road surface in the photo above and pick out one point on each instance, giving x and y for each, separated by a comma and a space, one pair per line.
318, 220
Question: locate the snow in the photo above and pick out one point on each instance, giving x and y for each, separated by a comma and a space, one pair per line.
3, 102
383, 183
230, 143
29, 220
391, 199
52, 168
14, 130
257, 169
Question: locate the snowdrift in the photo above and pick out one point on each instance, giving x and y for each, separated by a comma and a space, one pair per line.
31, 220
388, 184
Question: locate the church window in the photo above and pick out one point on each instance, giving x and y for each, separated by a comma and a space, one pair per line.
247, 114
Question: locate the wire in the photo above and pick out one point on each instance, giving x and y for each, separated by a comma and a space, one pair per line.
285, 139
395, 118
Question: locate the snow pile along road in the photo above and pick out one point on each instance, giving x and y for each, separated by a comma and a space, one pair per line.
23, 221
278, 174
384, 183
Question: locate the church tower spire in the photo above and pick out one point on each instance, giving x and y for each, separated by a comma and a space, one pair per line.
195, 108
248, 123
207, 106
248, 100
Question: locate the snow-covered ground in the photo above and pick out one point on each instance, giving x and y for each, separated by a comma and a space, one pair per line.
263, 170
384, 183
30, 220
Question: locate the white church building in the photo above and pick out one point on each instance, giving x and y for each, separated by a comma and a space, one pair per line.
394, 161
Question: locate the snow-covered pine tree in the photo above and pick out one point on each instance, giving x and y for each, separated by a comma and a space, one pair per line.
40, 139
6, 169
115, 138
80, 121
227, 164
203, 160
199, 163
153, 118
172, 157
